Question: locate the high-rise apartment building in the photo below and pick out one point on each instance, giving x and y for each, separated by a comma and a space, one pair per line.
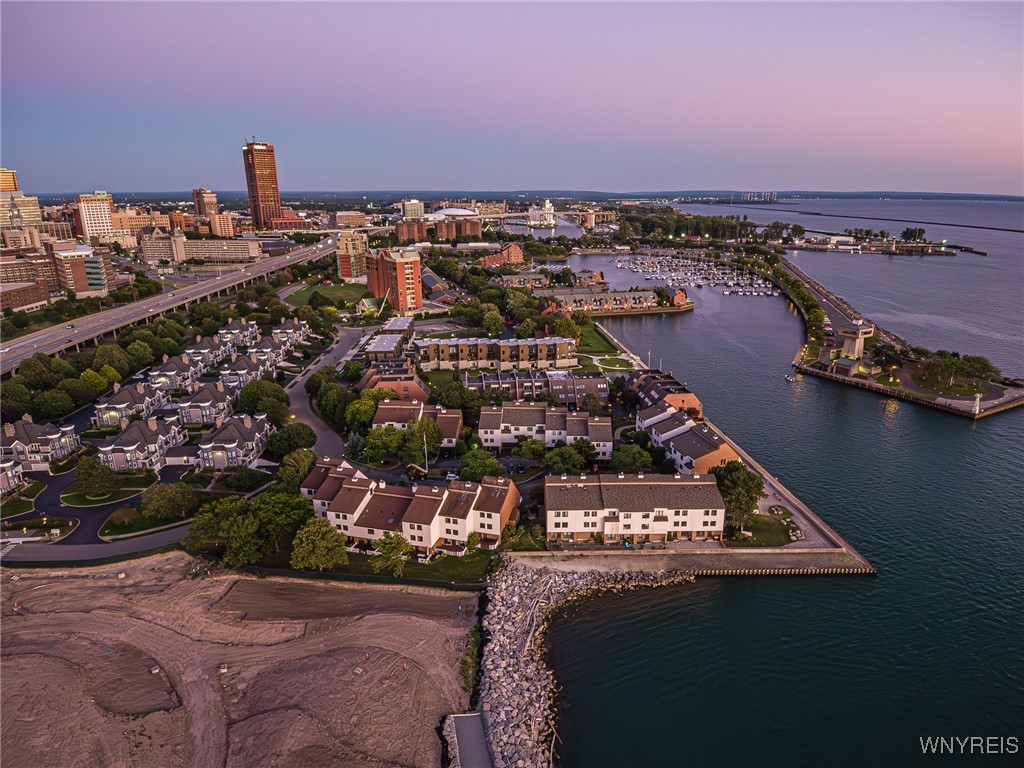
94, 214
411, 231
394, 275
261, 181
220, 225
176, 220
8, 180
412, 209
352, 249
205, 201
131, 220
445, 229
81, 269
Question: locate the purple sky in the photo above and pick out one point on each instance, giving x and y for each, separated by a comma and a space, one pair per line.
615, 97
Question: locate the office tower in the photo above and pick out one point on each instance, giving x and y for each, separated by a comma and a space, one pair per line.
261, 181
221, 226
205, 202
93, 215
81, 269
8, 180
19, 210
412, 209
176, 220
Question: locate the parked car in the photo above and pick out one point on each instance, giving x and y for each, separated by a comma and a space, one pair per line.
451, 476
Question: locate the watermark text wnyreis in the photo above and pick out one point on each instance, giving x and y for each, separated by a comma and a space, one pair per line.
970, 745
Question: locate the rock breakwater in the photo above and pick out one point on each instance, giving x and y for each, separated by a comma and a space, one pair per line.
516, 688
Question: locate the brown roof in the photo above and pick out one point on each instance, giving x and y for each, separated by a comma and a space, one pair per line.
494, 491
385, 509
632, 493
696, 442
424, 506
459, 501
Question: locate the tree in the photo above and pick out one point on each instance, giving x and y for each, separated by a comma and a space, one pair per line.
531, 450
592, 405
493, 324
563, 460
251, 394
383, 442
280, 516
458, 396
276, 411
244, 540
912, 235
50, 404
526, 329
115, 357
359, 414
391, 551
96, 383
94, 478
741, 489
205, 532
302, 460
318, 546
352, 370
167, 500
140, 353
478, 463
473, 542
566, 328
110, 374
586, 450
631, 459
418, 434
289, 439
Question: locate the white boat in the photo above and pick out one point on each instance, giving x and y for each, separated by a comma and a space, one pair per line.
790, 378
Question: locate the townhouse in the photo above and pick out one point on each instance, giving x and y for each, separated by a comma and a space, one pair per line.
270, 351
650, 386
175, 373
397, 375
11, 476
569, 387
208, 352
698, 450
139, 399
242, 369
235, 442
596, 300
35, 446
504, 426
430, 517
632, 509
495, 354
205, 404
291, 331
399, 414
142, 445
239, 333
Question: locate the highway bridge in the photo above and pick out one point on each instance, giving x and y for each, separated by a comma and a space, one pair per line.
91, 328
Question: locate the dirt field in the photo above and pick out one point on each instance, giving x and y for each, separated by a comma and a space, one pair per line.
102, 671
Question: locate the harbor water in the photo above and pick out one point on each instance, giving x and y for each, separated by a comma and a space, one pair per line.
823, 671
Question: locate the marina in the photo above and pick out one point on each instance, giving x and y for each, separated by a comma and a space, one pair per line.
693, 269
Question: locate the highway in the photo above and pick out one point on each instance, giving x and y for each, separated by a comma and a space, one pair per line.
54, 340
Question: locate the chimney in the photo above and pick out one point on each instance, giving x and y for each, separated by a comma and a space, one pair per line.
166, 358
253, 357
220, 386
233, 357
124, 423
116, 388
151, 423
247, 421
198, 338
140, 387
383, 484
8, 430
218, 422
27, 417
184, 358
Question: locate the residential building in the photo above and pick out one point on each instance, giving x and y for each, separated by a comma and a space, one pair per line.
384, 346
468, 228
28, 266
532, 281
697, 450
134, 221
595, 300
205, 255
94, 215
23, 297
568, 386
495, 354
396, 375
650, 386
510, 253
205, 404
242, 369
35, 446
26, 237
82, 269
399, 414
142, 444
431, 518
503, 426
235, 442
205, 202
399, 325
291, 331
393, 275
349, 219
208, 352
633, 508
411, 231
239, 333
221, 225
445, 229
261, 182
431, 282
270, 350
124, 402
175, 373
352, 250
11, 476
412, 209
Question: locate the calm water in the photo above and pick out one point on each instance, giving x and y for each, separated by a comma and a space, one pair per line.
823, 671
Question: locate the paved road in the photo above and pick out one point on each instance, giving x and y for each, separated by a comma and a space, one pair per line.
53, 341
83, 553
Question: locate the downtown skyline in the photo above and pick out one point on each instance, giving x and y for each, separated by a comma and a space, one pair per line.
439, 96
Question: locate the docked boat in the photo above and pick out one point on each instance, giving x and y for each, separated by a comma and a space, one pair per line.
790, 378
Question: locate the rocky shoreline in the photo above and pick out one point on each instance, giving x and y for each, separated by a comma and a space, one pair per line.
517, 690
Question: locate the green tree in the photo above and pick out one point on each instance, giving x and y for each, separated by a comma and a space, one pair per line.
50, 404
95, 382
289, 439
359, 415
244, 540
205, 533
631, 459
168, 500
526, 329
563, 460
566, 328
493, 324
115, 357
276, 411
531, 450
302, 460
586, 450
458, 396
741, 489
94, 478
383, 442
592, 405
140, 353
478, 463
250, 395
318, 546
352, 370
473, 542
427, 431
280, 516
391, 551
110, 374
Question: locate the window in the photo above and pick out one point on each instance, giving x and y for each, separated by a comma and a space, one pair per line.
337, 516
645, 526
646, 515
371, 532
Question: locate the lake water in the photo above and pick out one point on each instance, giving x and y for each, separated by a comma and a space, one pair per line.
827, 671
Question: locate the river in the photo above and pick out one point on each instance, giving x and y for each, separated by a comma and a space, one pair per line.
825, 671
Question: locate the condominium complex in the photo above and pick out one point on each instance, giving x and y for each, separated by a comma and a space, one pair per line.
94, 215
495, 354
429, 517
261, 182
504, 426
568, 387
597, 300
633, 508
650, 386
205, 202
174, 248
510, 253
394, 276
352, 250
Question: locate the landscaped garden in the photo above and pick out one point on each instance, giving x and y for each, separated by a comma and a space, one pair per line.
345, 292
22, 501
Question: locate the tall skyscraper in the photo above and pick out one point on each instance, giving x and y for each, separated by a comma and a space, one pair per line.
93, 215
8, 180
261, 181
205, 201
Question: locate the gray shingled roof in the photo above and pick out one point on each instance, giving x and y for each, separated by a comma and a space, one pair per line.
632, 493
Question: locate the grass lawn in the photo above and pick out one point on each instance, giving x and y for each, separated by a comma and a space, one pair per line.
593, 342
45, 524
884, 381
961, 390
21, 502
79, 499
344, 292
766, 531
462, 333
128, 520
614, 363
470, 568
440, 379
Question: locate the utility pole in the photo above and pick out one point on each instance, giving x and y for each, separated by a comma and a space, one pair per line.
426, 461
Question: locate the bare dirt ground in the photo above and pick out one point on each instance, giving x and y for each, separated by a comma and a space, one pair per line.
102, 671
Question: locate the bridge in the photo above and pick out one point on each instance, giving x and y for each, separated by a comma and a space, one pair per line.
92, 328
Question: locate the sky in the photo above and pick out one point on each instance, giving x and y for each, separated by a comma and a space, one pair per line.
615, 97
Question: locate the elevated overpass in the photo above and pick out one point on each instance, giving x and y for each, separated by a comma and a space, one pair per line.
91, 328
